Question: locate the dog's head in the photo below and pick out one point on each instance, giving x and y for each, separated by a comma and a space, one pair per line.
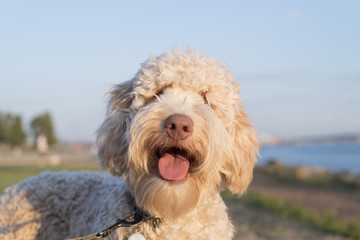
177, 131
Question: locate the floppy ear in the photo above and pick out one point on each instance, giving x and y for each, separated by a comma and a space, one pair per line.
112, 136
238, 168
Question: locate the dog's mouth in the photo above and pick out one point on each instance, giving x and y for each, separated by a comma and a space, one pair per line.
174, 163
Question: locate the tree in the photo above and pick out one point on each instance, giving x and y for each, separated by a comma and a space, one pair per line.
16, 134
43, 125
2, 129
11, 130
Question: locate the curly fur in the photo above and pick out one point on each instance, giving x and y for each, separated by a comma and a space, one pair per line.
223, 146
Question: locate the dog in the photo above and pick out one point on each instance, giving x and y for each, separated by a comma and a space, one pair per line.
173, 136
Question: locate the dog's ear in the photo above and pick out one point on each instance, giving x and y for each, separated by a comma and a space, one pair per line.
237, 171
112, 137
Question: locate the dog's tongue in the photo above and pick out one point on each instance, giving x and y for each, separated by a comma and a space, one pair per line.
173, 167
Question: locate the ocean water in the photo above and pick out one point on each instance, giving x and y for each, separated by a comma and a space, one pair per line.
333, 157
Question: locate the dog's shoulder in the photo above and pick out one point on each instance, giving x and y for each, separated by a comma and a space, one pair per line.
64, 186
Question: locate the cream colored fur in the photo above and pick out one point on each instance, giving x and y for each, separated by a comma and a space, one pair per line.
223, 146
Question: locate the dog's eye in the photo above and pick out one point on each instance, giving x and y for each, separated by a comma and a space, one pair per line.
159, 92
205, 100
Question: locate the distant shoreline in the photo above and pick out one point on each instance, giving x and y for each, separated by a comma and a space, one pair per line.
333, 157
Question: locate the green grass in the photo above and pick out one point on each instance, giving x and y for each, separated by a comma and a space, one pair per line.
10, 175
326, 222
315, 178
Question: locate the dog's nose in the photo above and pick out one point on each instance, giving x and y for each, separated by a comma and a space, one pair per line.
178, 126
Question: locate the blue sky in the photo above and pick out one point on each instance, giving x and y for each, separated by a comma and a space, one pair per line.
297, 62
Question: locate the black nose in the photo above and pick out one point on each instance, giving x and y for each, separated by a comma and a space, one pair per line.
178, 127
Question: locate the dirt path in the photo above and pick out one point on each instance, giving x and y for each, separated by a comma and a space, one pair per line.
255, 224
343, 203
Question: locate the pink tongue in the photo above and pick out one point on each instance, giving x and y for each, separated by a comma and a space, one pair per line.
173, 168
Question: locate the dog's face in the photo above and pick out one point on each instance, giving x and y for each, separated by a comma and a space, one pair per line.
177, 131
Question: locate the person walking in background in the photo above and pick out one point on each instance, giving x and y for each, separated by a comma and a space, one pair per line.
42, 148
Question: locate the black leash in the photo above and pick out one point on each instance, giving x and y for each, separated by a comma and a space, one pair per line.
133, 220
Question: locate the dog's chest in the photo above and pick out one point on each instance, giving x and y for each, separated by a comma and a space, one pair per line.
207, 221
136, 236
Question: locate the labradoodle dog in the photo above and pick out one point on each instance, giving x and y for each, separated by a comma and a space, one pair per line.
173, 136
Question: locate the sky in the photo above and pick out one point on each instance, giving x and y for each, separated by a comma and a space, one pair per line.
297, 62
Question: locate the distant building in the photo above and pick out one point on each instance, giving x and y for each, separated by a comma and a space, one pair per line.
267, 139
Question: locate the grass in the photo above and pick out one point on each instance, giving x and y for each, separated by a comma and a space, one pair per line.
311, 177
10, 175
326, 222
